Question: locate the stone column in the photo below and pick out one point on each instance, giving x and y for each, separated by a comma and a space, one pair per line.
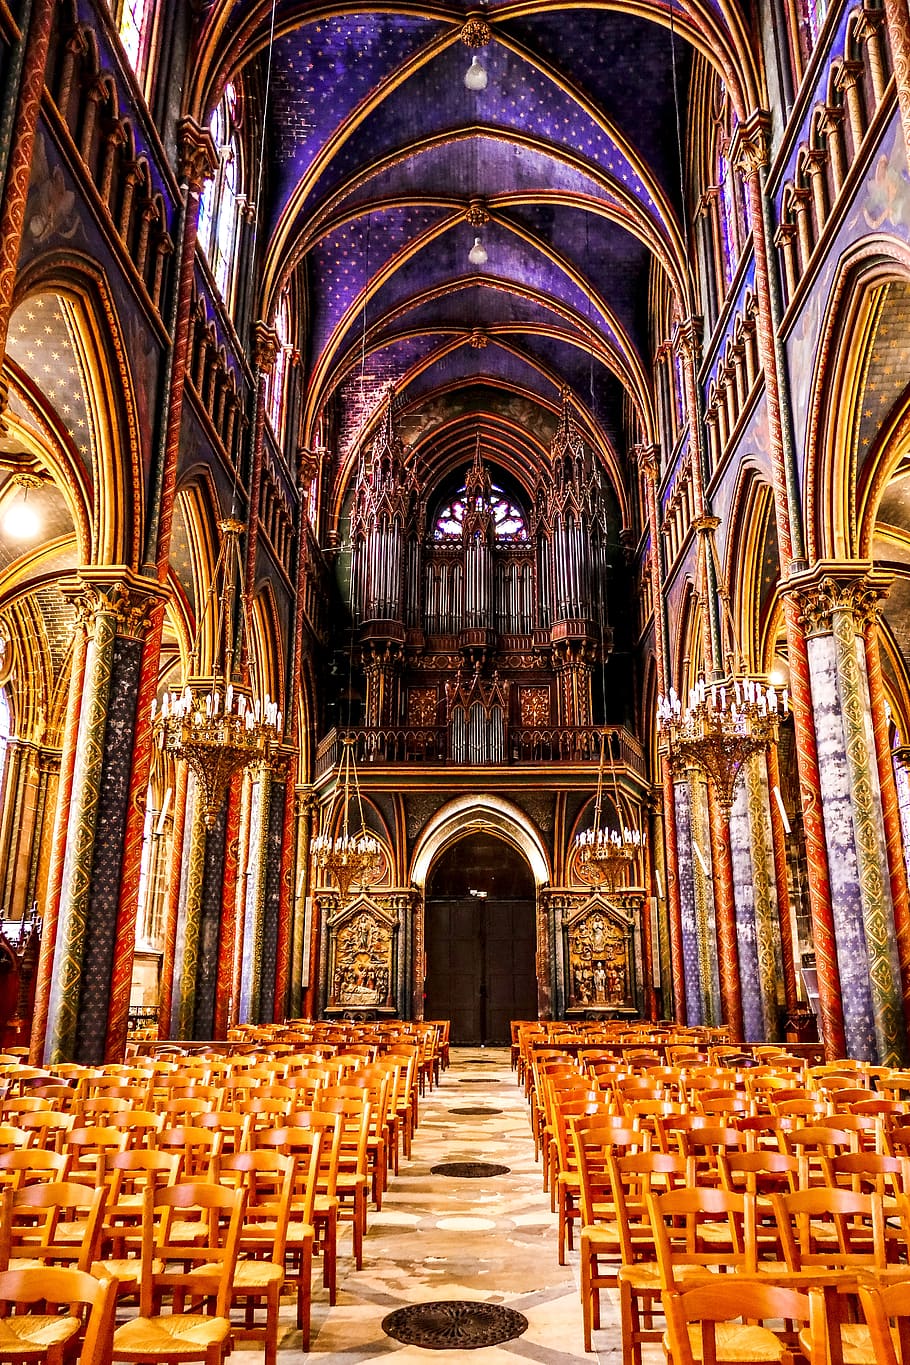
186, 954
265, 353
837, 600
305, 806
224, 997
257, 862
705, 900
286, 901
182, 817
781, 884
115, 606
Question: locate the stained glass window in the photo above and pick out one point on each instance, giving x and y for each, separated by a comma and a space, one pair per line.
274, 398
219, 207
509, 520
136, 30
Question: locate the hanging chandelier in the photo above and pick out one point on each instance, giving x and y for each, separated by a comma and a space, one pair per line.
721, 726
602, 855
726, 719
221, 723
349, 859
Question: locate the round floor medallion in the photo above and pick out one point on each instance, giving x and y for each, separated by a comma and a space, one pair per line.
454, 1325
475, 1109
469, 1170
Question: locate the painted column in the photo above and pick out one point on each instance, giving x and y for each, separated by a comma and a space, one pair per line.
255, 899
265, 353
751, 154
694, 1009
287, 900
59, 842
781, 884
32, 49
897, 17
837, 600
116, 606
649, 465
181, 824
192, 875
897, 866
764, 893
300, 947
745, 919
243, 857
224, 997
735, 946
705, 905
211, 910
267, 949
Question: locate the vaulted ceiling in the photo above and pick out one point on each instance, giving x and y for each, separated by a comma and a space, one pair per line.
383, 167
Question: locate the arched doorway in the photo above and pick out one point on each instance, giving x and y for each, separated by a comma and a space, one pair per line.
480, 938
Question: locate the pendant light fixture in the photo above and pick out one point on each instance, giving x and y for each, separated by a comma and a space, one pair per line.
476, 33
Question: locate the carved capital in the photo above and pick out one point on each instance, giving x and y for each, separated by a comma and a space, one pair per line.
198, 155
832, 587
309, 462
687, 336
479, 339
116, 592
648, 460
266, 345
750, 147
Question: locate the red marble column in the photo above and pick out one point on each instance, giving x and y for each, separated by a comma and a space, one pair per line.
648, 463
58, 849
243, 858
894, 843
833, 1035
286, 904
782, 885
172, 910
19, 161
227, 939
725, 919
198, 159
751, 153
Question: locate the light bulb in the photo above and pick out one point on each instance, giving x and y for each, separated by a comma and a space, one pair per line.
475, 78
21, 521
478, 255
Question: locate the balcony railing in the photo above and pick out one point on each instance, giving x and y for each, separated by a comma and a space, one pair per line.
432, 744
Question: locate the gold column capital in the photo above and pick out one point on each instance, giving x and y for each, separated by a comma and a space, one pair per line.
198, 156
116, 591
833, 586
750, 146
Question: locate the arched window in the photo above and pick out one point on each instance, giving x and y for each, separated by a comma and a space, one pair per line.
733, 221
219, 208
276, 391
135, 25
509, 519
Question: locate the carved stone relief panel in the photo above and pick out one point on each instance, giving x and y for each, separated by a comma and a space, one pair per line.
598, 946
362, 957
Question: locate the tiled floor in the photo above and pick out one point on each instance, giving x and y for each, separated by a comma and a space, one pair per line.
442, 1238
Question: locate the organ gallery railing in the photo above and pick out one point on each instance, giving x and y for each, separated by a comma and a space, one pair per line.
433, 744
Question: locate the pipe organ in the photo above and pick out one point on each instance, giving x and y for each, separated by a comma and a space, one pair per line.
443, 585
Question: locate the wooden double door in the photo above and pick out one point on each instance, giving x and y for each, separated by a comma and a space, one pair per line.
480, 939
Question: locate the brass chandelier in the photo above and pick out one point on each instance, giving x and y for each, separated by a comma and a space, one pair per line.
602, 855
725, 719
349, 859
220, 723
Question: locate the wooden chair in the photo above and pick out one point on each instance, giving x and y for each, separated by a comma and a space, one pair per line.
298, 1141
201, 1269
632, 1177
268, 1179
31, 1166
723, 1321
353, 1112
702, 1230
600, 1248
882, 1305
830, 1228
196, 1146
54, 1223
53, 1338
